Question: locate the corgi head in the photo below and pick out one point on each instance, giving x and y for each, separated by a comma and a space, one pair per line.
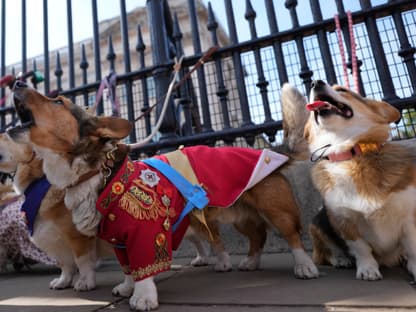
340, 118
63, 133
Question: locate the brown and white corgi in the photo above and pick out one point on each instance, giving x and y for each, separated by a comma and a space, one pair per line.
368, 183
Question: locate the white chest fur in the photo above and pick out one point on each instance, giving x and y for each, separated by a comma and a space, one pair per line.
344, 193
380, 220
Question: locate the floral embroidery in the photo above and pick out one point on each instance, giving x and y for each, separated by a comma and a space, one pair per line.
117, 188
124, 178
151, 269
130, 166
108, 200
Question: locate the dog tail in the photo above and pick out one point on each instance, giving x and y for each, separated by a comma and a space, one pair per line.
294, 119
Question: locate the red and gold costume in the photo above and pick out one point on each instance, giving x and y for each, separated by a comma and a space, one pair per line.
139, 204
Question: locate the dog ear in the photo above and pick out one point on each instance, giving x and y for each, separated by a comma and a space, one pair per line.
112, 128
307, 130
386, 110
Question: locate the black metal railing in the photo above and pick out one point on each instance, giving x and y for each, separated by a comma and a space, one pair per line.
234, 97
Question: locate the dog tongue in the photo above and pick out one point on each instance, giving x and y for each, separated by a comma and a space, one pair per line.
315, 105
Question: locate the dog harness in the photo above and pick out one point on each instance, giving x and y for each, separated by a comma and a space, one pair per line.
194, 194
140, 204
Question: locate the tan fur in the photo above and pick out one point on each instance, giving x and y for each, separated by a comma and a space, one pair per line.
294, 117
371, 198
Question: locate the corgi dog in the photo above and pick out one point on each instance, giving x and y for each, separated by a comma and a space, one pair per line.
135, 206
48, 219
368, 183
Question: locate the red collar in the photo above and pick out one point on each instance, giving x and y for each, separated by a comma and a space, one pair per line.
357, 150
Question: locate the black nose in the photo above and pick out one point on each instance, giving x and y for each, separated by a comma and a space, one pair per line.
317, 84
20, 84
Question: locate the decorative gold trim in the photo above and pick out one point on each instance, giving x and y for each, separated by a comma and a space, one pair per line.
151, 269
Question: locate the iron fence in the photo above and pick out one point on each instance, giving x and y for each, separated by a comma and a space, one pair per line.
234, 97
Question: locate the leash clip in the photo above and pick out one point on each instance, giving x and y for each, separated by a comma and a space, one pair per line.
322, 150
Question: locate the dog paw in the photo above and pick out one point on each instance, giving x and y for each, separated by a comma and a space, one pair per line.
60, 283
223, 263
144, 297
124, 289
306, 270
84, 283
368, 273
199, 261
249, 263
141, 303
304, 266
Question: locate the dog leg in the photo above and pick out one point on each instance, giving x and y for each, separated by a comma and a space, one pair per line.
409, 246
124, 289
327, 252
283, 213
86, 266
66, 277
201, 258
256, 233
367, 266
223, 258
144, 297
223, 262
304, 267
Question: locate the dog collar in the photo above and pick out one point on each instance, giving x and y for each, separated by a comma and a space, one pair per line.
84, 177
34, 195
357, 150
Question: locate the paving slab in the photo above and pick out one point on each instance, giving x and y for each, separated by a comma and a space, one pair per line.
273, 288
275, 285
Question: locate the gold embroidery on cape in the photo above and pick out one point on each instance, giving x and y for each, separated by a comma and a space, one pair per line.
151, 269
143, 203
116, 188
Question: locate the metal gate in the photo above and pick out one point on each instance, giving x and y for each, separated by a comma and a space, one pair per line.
233, 98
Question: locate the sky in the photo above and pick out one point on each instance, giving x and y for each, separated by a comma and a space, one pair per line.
82, 23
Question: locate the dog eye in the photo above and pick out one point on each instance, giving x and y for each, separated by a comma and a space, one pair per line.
59, 102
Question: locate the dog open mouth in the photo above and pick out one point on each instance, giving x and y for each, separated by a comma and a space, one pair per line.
24, 114
324, 106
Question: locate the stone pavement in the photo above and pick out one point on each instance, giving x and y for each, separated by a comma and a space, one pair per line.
273, 288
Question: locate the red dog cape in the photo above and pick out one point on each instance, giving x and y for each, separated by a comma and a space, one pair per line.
139, 204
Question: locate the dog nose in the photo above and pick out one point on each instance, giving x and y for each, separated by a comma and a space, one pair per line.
316, 84
20, 84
